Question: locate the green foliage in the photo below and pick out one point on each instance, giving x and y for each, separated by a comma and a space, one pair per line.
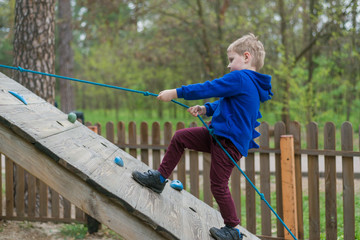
75, 231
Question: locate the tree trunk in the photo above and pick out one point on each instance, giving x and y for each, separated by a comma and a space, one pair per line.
285, 113
66, 56
34, 44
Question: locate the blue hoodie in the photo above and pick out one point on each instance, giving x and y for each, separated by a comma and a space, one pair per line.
235, 114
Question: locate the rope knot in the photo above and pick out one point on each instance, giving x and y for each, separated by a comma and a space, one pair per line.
262, 197
20, 69
146, 93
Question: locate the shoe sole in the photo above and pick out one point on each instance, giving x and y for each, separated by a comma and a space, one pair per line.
142, 184
213, 235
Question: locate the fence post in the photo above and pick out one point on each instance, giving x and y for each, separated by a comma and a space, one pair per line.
348, 181
110, 131
288, 184
313, 182
167, 138
194, 166
295, 130
144, 140
279, 130
181, 171
330, 182
265, 178
132, 139
155, 130
120, 134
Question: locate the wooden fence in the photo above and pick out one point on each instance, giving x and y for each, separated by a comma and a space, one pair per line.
262, 166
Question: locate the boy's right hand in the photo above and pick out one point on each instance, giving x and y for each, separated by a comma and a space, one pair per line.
197, 110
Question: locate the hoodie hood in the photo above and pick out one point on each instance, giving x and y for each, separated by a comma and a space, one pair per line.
262, 83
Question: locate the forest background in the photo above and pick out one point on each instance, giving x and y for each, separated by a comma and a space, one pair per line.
312, 52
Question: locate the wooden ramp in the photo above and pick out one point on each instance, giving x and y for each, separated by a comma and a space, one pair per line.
79, 164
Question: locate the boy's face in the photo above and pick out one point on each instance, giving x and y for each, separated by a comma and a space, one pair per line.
239, 62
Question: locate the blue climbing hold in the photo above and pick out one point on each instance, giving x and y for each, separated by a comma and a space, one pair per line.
176, 184
18, 96
119, 161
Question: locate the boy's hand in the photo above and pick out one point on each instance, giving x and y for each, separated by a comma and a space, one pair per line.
167, 95
197, 110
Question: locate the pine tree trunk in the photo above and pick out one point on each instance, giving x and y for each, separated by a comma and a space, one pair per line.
34, 43
66, 56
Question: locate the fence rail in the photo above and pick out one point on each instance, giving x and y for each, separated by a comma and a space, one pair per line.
262, 166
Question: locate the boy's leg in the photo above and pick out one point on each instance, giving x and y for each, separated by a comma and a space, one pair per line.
220, 171
196, 138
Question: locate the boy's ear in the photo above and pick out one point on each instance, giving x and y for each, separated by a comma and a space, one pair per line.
247, 56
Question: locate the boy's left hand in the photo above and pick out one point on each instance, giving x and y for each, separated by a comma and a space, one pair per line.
167, 95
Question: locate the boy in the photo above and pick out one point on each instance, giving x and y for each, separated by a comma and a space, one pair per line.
234, 119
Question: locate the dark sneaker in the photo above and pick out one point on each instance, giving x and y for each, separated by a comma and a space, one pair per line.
150, 179
226, 233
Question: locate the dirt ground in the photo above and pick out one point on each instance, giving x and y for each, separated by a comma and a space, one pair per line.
17, 230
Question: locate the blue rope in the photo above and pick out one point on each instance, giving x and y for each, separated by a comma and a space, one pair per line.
146, 93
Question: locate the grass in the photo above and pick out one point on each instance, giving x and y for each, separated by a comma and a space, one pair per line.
79, 231
75, 231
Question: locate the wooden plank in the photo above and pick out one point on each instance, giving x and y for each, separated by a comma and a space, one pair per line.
208, 197
98, 125
36, 121
79, 215
156, 141
43, 199
295, 130
67, 209
330, 182
94, 203
132, 138
9, 180
31, 195
265, 179
181, 169
7, 84
289, 184
110, 132
121, 133
250, 194
279, 129
348, 181
79, 149
194, 173
55, 204
20, 190
313, 182
167, 138
144, 139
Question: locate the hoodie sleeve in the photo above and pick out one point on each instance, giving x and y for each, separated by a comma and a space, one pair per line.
228, 85
211, 107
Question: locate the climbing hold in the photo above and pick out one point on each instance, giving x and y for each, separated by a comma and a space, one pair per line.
119, 161
176, 184
72, 117
18, 96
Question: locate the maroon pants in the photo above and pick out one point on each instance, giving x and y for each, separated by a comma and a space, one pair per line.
199, 139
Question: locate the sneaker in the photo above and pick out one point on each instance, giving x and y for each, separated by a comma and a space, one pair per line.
226, 233
150, 179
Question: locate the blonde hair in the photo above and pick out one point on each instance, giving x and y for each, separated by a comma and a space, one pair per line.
250, 43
